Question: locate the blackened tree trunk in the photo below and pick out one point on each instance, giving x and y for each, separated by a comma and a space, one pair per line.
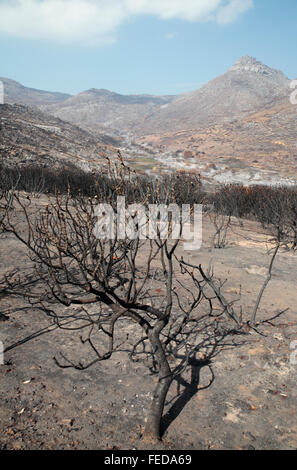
153, 426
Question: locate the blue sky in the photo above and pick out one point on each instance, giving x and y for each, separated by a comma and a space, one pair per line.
141, 46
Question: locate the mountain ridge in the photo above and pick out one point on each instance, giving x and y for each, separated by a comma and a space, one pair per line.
244, 114
246, 87
16, 93
30, 137
241, 90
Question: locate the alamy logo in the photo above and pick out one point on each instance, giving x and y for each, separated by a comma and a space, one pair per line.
138, 222
293, 96
293, 356
1, 92
1, 353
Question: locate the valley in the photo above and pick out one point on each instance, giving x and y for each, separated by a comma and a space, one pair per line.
240, 127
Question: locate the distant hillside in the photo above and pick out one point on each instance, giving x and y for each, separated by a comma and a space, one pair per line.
265, 139
105, 110
15, 93
248, 86
28, 136
242, 118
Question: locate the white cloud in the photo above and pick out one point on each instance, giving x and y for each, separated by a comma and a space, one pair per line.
97, 21
229, 12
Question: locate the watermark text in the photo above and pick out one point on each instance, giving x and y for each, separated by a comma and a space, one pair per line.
156, 221
1, 353
293, 355
293, 95
1, 92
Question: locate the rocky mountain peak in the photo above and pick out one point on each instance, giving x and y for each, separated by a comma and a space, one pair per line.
250, 64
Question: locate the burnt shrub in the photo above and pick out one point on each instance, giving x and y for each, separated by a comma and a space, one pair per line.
275, 207
34, 179
183, 189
